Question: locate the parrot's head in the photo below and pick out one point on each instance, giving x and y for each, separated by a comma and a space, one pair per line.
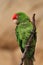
20, 17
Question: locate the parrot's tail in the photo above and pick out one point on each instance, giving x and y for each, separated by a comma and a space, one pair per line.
28, 61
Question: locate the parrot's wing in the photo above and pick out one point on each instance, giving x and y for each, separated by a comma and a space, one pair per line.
23, 32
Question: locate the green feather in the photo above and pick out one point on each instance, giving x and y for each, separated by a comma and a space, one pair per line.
23, 31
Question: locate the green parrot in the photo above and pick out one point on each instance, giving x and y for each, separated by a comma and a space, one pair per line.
23, 31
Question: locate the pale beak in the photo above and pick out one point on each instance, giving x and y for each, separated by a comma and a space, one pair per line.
15, 21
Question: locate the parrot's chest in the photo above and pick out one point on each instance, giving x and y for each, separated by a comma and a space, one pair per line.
24, 30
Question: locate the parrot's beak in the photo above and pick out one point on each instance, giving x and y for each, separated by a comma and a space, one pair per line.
15, 21
14, 18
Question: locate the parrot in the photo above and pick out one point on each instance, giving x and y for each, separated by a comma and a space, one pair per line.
23, 30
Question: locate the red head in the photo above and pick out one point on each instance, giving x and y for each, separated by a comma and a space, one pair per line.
20, 17
15, 16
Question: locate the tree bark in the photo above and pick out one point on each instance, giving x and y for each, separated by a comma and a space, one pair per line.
28, 61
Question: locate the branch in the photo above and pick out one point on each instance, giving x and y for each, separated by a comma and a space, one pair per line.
29, 40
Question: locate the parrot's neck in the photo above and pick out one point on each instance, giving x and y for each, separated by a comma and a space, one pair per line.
28, 61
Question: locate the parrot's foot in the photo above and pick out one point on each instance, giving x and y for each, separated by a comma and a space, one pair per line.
27, 46
33, 32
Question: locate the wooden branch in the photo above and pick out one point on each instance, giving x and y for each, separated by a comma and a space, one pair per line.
29, 40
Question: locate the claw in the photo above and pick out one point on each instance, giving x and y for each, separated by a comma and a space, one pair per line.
27, 46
